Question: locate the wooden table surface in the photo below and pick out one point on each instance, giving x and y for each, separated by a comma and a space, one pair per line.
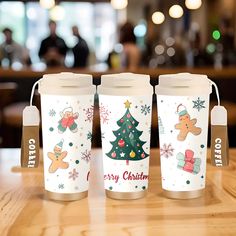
25, 211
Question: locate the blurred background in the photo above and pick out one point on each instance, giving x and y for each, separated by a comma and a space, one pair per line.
168, 33
143, 36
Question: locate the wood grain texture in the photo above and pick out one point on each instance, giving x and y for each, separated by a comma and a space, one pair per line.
24, 211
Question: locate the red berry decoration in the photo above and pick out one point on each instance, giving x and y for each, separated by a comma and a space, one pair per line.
113, 154
143, 155
130, 126
128, 115
121, 143
122, 120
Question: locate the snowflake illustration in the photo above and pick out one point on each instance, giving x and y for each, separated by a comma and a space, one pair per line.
198, 104
89, 113
145, 109
52, 112
73, 174
61, 186
166, 150
104, 114
86, 156
89, 136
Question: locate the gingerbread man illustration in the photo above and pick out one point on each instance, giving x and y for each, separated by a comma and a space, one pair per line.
68, 120
186, 125
57, 158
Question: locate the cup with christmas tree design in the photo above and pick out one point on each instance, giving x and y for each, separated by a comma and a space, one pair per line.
125, 106
183, 114
67, 102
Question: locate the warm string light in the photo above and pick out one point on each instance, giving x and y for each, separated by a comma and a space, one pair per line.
47, 3
119, 4
176, 11
193, 4
158, 17
57, 13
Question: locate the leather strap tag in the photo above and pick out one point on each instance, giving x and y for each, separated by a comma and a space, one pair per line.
219, 137
30, 138
219, 145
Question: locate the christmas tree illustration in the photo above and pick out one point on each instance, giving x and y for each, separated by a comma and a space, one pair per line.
127, 145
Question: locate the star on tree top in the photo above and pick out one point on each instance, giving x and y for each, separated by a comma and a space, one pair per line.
127, 104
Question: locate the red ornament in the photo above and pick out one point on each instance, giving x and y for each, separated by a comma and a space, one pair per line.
143, 155
121, 143
113, 155
122, 120
128, 115
130, 126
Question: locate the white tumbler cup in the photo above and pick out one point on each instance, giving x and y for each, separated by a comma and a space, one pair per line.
125, 103
183, 113
67, 114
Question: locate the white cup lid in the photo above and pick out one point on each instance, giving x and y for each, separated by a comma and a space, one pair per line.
125, 80
183, 84
66, 79
183, 80
53, 83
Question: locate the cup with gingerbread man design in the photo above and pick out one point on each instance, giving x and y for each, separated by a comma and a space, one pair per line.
183, 114
67, 114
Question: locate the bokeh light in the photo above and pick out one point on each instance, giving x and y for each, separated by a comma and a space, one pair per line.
158, 17
119, 4
140, 30
57, 13
118, 48
193, 4
159, 49
31, 13
170, 52
211, 48
216, 34
47, 3
170, 41
176, 11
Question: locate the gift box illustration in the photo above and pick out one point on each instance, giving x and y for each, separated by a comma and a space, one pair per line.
188, 163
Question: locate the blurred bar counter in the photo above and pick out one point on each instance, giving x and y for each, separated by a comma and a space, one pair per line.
227, 72
225, 79
26, 78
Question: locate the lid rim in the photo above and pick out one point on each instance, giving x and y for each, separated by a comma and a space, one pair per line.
66, 80
125, 80
186, 80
